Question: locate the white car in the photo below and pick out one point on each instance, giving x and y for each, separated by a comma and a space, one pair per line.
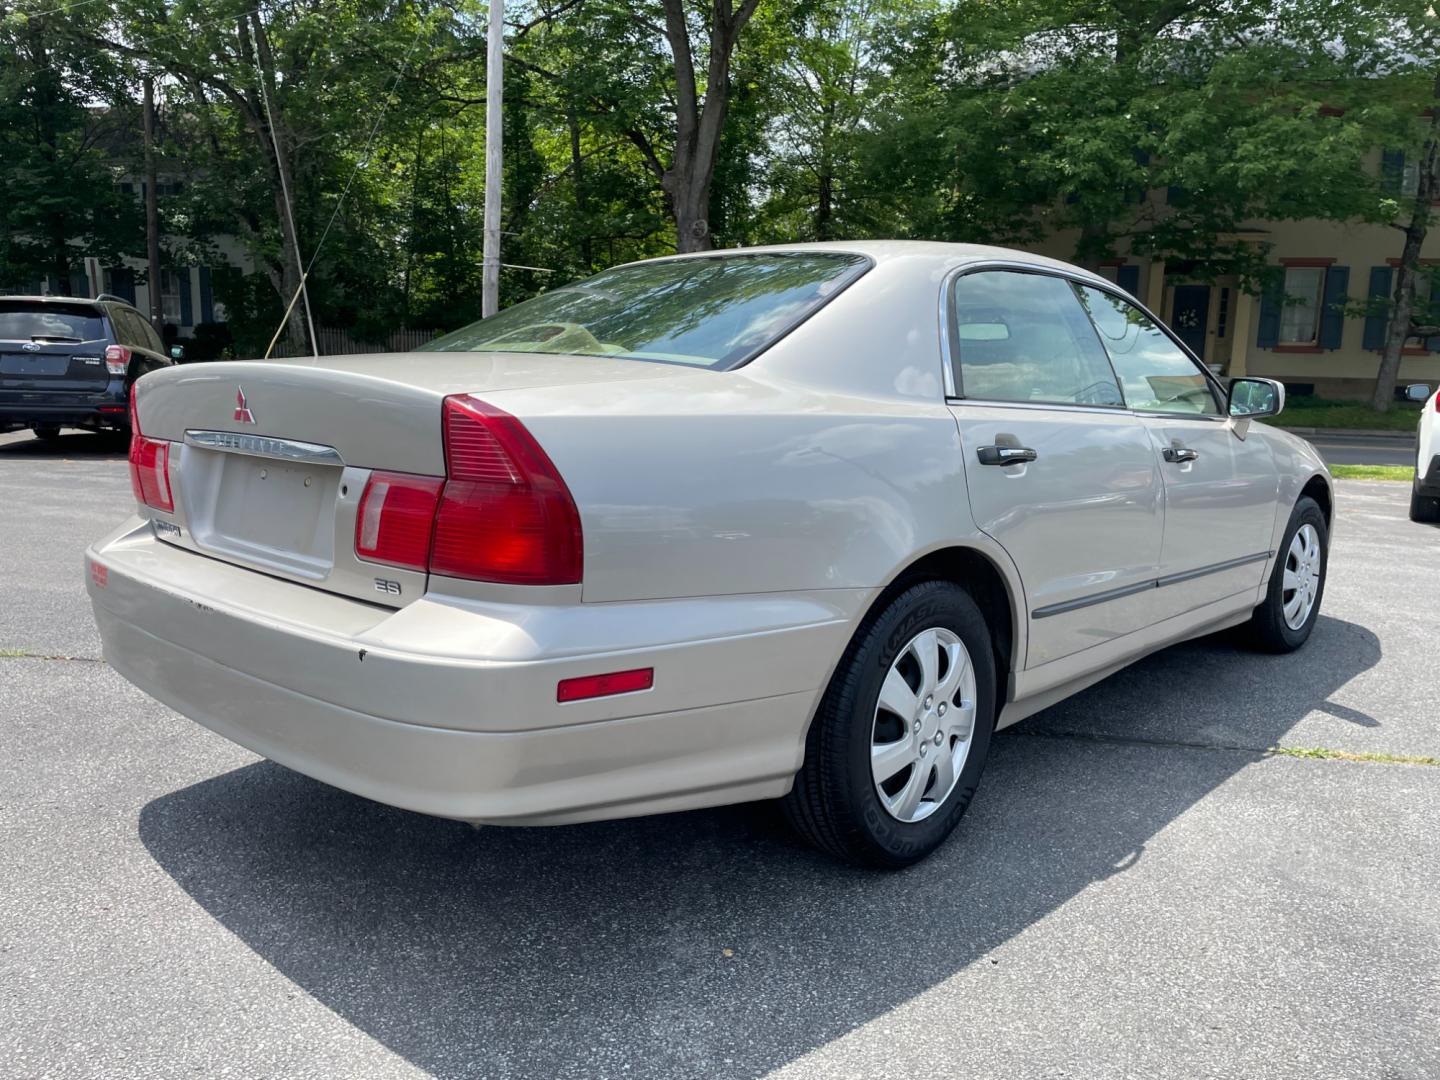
1425, 488
806, 522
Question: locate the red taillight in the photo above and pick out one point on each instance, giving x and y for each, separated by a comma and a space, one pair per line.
117, 359
150, 472
149, 464
505, 514
397, 518
593, 686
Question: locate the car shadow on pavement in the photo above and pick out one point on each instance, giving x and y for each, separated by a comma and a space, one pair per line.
709, 943
71, 445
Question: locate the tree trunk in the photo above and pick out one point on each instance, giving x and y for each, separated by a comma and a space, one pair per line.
582, 201
1400, 327
152, 216
698, 126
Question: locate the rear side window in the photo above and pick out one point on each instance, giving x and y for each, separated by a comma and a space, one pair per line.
1156, 373
1024, 337
49, 322
711, 311
133, 329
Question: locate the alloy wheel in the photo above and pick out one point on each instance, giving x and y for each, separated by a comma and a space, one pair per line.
1302, 576
924, 724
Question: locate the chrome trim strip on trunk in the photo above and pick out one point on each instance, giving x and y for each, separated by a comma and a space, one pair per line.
1140, 586
233, 442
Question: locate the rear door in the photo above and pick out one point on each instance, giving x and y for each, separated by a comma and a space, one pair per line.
1221, 486
51, 351
1059, 472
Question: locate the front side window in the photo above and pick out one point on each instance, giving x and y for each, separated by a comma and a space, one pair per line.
1300, 314
712, 311
1155, 372
1022, 337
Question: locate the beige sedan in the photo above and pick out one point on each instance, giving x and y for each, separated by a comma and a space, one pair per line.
800, 522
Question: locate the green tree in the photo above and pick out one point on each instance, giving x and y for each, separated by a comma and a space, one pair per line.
60, 107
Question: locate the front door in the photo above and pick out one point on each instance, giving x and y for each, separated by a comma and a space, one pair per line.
1220, 487
1059, 473
1191, 316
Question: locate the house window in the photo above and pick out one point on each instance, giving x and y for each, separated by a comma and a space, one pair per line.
1222, 317
1410, 178
170, 295
1300, 315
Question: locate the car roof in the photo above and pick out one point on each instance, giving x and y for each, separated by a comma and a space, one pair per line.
942, 254
71, 300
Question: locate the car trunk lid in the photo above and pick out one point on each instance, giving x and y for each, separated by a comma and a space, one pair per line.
43, 369
269, 461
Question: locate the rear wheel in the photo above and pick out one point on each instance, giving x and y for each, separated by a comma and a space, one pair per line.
47, 432
1283, 622
1423, 508
896, 749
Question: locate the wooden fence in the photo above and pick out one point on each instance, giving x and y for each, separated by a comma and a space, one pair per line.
336, 341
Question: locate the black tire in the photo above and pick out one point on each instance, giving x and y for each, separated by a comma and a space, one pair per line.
1423, 508
1268, 627
834, 803
48, 432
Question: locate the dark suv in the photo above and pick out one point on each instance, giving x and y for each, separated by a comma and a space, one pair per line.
72, 362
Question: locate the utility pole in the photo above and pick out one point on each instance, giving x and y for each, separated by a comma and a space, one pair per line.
152, 214
494, 90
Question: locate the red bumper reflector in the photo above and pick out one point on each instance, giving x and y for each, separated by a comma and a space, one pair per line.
110, 408
593, 686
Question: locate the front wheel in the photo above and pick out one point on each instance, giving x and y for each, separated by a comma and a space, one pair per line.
896, 749
1284, 620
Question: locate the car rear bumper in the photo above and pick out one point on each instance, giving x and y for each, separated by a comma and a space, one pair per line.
89, 411
340, 690
1429, 478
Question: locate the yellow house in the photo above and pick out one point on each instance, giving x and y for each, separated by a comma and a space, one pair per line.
1308, 341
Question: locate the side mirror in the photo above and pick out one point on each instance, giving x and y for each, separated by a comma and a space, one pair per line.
1417, 392
1251, 399
177, 352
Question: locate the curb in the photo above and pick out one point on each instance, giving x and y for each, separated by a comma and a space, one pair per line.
1406, 437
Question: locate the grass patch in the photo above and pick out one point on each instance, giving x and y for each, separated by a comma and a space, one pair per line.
1405, 473
24, 654
1317, 412
1322, 753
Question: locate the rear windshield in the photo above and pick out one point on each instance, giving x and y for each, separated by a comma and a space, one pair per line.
714, 312
49, 322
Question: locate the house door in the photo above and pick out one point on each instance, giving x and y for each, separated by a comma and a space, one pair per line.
1190, 316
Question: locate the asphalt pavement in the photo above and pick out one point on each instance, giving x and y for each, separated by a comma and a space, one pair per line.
1141, 889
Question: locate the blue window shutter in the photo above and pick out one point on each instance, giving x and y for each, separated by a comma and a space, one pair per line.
1332, 310
1392, 171
1128, 278
207, 297
1433, 343
187, 313
1381, 279
1267, 335
122, 283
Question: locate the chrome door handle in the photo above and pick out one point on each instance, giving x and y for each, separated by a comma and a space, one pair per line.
1180, 453
1005, 455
